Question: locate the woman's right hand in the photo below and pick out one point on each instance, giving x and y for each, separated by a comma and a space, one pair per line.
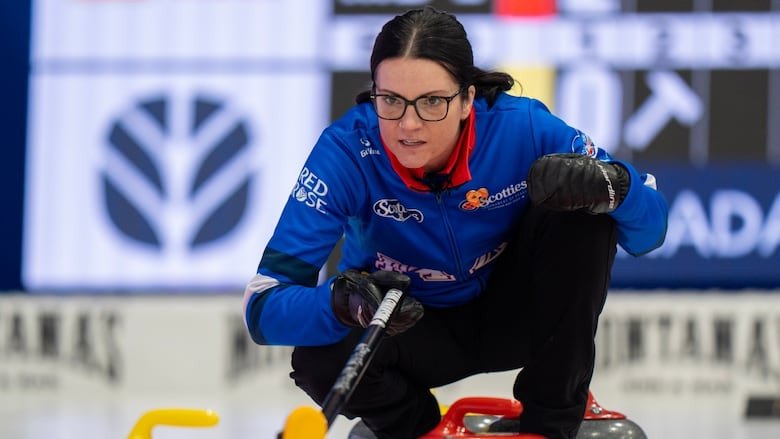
356, 295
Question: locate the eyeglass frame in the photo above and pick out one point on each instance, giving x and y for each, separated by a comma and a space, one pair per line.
413, 103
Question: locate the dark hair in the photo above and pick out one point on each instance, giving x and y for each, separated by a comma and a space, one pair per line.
428, 33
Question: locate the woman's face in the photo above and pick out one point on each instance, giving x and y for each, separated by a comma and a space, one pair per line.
415, 142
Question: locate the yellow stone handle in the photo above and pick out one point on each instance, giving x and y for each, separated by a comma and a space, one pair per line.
176, 417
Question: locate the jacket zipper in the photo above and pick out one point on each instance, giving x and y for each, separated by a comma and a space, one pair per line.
450, 234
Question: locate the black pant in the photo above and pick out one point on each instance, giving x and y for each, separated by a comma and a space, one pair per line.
539, 312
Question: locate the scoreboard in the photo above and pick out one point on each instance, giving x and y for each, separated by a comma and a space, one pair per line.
690, 81
687, 90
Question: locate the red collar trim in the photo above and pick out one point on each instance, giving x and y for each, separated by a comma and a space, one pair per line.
455, 173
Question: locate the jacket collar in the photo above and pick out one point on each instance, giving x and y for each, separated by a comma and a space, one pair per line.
455, 173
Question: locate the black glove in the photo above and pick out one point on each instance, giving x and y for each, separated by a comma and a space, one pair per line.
567, 182
355, 297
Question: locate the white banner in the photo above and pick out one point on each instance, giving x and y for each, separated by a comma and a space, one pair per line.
143, 181
132, 346
705, 345
702, 345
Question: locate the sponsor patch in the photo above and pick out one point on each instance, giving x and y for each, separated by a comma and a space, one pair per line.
392, 208
384, 262
488, 257
481, 198
583, 144
311, 191
369, 151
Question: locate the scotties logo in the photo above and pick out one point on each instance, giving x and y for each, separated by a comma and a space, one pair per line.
475, 199
481, 198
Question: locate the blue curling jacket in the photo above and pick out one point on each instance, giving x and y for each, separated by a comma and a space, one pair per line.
446, 241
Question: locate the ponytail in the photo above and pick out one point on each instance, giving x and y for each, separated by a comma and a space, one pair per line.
490, 84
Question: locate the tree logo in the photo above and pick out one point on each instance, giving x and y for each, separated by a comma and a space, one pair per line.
177, 175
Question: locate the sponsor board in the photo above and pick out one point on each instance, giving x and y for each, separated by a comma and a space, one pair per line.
67, 345
153, 181
668, 344
707, 345
723, 232
161, 142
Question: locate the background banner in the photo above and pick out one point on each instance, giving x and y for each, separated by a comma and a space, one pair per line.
64, 353
724, 230
165, 137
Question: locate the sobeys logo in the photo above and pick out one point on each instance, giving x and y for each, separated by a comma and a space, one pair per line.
392, 208
478, 198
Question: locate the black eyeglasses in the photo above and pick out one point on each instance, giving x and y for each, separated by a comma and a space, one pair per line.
428, 108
